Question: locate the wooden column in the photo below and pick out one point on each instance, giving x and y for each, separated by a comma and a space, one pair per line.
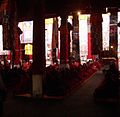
96, 33
64, 41
75, 35
54, 39
17, 46
38, 48
10, 30
6, 24
113, 42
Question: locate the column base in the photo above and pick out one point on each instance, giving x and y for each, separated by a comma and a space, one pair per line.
37, 83
17, 66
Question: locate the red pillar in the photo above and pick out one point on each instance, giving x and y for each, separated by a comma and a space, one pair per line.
64, 42
5, 6
22, 52
14, 34
75, 34
89, 46
89, 41
113, 42
54, 39
96, 33
17, 46
38, 48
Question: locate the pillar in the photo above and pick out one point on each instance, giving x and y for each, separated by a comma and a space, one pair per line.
113, 42
10, 32
96, 33
22, 52
17, 47
64, 42
38, 48
17, 51
70, 27
75, 35
54, 39
5, 24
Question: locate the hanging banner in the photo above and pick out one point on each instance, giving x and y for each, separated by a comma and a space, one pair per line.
48, 40
83, 38
28, 49
27, 35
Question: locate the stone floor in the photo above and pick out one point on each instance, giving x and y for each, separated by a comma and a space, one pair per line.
79, 104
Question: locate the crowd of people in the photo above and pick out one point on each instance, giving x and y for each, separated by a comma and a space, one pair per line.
10, 79
58, 81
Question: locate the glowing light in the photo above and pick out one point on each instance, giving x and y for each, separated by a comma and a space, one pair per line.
106, 9
109, 14
111, 47
78, 13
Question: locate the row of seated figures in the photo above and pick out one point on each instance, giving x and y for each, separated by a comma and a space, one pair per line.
57, 81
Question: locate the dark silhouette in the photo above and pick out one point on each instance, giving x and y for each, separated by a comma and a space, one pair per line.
109, 88
2, 94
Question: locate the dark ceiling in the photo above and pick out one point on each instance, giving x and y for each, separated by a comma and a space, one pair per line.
25, 8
